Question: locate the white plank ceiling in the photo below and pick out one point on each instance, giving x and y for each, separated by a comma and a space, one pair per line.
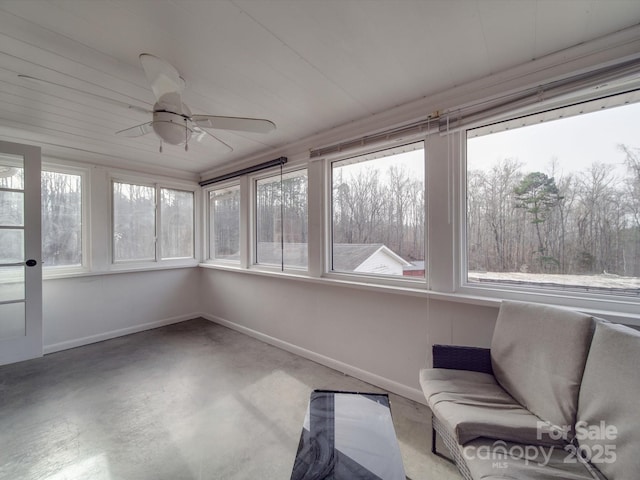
306, 65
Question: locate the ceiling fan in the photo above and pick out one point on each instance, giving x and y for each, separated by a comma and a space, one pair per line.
172, 120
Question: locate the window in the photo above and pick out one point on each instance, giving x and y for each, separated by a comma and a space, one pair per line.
378, 213
135, 223
224, 224
281, 220
62, 212
553, 200
177, 216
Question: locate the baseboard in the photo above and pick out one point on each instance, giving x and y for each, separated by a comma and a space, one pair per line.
79, 342
369, 377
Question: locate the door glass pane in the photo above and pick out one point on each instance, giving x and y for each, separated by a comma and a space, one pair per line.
11, 208
11, 283
12, 320
11, 171
11, 245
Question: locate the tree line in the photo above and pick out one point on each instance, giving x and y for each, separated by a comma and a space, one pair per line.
585, 222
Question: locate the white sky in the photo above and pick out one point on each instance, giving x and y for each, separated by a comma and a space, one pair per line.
411, 161
577, 142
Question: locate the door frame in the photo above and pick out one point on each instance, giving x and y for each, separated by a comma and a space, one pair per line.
30, 346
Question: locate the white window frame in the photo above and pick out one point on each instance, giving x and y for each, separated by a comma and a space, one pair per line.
406, 282
85, 207
253, 216
605, 305
159, 253
157, 261
207, 254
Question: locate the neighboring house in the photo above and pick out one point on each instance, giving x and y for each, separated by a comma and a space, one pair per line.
416, 269
363, 258
374, 258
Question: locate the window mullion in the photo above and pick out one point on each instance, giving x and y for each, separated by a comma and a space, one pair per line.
158, 223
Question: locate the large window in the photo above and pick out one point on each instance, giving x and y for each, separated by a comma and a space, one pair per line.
378, 213
62, 213
135, 223
224, 224
553, 200
281, 220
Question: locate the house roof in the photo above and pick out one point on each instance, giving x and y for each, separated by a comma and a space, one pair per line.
346, 256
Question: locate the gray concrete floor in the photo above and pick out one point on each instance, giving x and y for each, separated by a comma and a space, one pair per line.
189, 401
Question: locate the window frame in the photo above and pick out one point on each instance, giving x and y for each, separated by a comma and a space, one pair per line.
55, 271
157, 261
606, 304
206, 198
407, 282
159, 252
253, 219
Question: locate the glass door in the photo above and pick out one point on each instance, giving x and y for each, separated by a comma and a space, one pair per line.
20, 253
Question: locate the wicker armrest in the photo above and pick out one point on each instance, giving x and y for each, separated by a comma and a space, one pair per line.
457, 357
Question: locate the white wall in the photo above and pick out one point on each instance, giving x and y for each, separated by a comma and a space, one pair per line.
382, 338
82, 310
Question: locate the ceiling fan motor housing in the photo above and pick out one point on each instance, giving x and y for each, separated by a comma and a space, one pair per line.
171, 127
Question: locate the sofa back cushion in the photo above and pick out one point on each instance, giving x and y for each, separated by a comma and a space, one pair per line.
608, 428
538, 354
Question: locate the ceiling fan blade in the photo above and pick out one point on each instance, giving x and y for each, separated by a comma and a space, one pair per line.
254, 125
84, 92
163, 78
202, 136
137, 131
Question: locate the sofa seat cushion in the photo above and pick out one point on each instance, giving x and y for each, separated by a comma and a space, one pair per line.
608, 413
495, 459
472, 405
538, 354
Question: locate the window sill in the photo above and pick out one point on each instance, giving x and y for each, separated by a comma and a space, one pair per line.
118, 269
619, 310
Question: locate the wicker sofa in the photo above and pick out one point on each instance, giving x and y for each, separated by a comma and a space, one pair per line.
555, 397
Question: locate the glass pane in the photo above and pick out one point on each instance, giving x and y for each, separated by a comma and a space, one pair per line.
176, 210
11, 245
61, 219
11, 208
556, 203
12, 320
134, 222
378, 204
281, 220
11, 283
224, 224
11, 171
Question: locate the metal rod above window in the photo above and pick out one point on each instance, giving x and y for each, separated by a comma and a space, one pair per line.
244, 171
428, 125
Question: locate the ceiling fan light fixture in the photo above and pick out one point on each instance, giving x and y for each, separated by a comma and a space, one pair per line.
171, 128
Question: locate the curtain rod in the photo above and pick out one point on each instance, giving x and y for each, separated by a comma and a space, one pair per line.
255, 168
